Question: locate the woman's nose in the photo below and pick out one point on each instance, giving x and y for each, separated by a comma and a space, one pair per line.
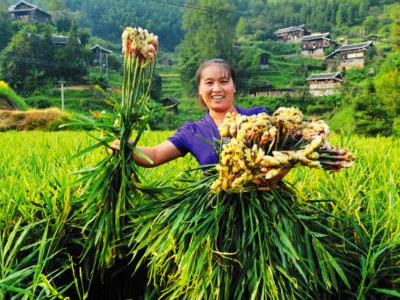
216, 87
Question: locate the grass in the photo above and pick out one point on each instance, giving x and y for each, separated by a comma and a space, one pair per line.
36, 180
6, 92
74, 100
344, 118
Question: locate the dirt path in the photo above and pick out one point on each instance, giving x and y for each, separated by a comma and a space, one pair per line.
78, 87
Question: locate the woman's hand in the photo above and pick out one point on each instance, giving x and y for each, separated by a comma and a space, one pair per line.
114, 146
156, 155
267, 184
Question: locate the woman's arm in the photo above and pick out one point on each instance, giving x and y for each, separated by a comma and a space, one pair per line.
158, 154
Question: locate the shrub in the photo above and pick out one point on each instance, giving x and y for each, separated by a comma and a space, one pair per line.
99, 79
9, 93
48, 119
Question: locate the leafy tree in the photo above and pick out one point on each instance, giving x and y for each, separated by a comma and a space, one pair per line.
107, 19
209, 33
371, 116
395, 26
387, 83
241, 26
56, 5
7, 30
31, 60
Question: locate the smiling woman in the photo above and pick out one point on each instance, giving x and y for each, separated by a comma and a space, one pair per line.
216, 88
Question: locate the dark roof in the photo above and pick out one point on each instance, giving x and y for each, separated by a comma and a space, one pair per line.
350, 47
14, 8
101, 48
290, 29
312, 37
172, 101
324, 76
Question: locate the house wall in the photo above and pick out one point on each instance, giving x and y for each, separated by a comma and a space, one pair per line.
40, 16
324, 87
273, 93
315, 53
294, 36
347, 60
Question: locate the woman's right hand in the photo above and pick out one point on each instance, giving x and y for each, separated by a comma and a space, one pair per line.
114, 146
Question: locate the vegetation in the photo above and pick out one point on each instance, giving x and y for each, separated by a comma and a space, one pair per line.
365, 207
8, 93
47, 119
31, 59
245, 31
54, 230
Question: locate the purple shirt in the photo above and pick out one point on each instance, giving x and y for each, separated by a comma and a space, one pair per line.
201, 138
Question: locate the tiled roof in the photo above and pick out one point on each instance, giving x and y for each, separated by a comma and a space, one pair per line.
101, 48
323, 76
290, 29
351, 47
12, 8
316, 37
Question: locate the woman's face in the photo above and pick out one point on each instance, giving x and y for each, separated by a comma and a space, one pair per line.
216, 88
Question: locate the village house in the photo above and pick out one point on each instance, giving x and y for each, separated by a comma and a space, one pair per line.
171, 103
324, 84
274, 92
348, 56
28, 12
59, 40
100, 54
291, 34
315, 44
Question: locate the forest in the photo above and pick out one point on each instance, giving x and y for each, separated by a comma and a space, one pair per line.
193, 31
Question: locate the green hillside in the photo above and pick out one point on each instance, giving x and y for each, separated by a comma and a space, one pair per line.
287, 69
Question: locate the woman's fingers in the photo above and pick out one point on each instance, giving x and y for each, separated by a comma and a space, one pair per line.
265, 185
114, 146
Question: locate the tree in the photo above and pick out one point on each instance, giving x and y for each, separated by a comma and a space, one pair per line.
395, 26
371, 116
6, 30
209, 33
241, 26
31, 60
56, 5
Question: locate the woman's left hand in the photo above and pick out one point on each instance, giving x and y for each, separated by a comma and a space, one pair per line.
267, 184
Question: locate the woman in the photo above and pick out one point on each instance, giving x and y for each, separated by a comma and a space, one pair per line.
216, 88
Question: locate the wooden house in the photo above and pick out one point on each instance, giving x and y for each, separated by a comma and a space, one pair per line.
291, 34
99, 54
59, 40
274, 92
348, 56
324, 84
315, 44
264, 61
29, 12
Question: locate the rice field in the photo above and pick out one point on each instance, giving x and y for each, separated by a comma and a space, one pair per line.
39, 244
